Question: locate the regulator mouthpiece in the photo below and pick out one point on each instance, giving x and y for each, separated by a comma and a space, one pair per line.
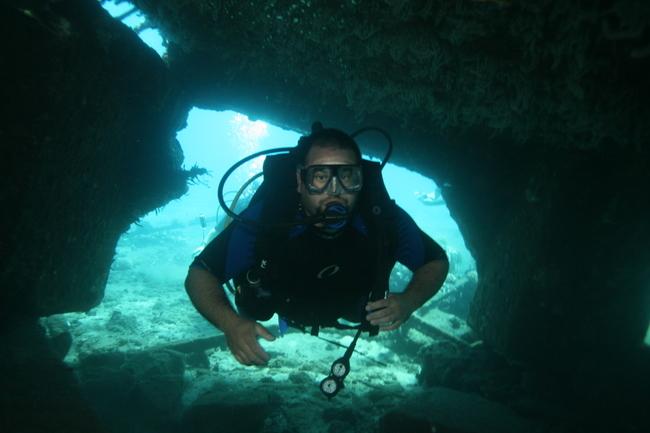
336, 209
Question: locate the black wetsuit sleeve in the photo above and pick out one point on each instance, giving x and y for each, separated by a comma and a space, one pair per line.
232, 251
214, 255
414, 247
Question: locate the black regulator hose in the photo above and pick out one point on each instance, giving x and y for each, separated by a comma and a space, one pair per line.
227, 174
386, 135
307, 221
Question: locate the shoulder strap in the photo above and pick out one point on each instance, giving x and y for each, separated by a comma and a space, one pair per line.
379, 212
277, 196
278, 192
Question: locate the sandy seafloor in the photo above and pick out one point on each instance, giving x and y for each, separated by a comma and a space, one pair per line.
146, 307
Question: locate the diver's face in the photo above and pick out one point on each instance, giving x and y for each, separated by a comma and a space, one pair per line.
326, 154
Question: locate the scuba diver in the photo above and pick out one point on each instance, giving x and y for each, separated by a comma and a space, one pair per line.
316, 245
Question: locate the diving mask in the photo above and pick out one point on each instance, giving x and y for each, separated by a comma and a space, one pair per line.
321, 178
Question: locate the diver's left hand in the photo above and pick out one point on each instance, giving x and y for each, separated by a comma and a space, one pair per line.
390, 313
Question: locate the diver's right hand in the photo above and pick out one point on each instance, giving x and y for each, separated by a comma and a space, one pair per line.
241, 338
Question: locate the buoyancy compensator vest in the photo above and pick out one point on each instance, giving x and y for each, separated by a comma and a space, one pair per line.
259, 290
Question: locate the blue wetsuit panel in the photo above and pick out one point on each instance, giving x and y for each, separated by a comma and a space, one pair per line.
414, 247
233, 250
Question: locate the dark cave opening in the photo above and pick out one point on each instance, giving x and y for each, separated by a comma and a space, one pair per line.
546, 183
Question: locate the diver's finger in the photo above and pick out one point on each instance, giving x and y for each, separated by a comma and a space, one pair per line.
381, 315
260, 353
264, 333
250, 358
256, 355
381, 320
374, 305
240, 358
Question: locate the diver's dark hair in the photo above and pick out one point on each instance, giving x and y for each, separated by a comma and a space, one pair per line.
325, 136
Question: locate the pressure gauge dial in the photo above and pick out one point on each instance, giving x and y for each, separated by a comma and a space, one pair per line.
330, 386
339, 368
